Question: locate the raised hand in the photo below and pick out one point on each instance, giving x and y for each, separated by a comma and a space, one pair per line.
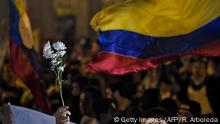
62, 115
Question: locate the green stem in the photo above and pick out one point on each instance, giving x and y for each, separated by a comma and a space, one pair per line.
61, 95
60, 86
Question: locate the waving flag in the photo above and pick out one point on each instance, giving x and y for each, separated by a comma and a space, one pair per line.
138, 35
23, 59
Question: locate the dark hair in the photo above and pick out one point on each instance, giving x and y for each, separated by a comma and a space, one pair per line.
93, 92
82, 81
150, 99
192, 106
125, 89
170, 105
103, 106
92, 96
156, 113
199, 60
94, 82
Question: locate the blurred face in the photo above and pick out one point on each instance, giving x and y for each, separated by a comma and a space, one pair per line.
116, 96
95, 47
78, 50
165, 91
86, 104
108, 93
198, 70
139, 92
75, 89
211, 68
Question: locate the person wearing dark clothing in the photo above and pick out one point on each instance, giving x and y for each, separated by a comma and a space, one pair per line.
170, 105
156, 116
150, 99
88, 98
202, 89
105, 111
122, 96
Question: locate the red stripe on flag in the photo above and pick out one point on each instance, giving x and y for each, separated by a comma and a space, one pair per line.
22, 68
111, 63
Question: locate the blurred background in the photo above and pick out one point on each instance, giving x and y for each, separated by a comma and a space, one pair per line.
132, 95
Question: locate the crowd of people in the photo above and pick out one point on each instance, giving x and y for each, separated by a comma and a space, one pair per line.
187, 87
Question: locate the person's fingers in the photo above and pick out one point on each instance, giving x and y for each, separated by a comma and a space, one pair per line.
63, 108
67, 119
63, 120
63, 117
65, 113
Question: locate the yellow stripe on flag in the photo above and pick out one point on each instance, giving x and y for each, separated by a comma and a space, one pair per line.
162, 18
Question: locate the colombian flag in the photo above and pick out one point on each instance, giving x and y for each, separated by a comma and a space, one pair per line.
138, 35
23, 59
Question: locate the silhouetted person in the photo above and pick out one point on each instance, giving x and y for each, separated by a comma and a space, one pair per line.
187, 110
170, 105
105, 111
155, 116
122, 96
150, 99
88, 98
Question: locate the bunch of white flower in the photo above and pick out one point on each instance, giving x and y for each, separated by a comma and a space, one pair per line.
55, 54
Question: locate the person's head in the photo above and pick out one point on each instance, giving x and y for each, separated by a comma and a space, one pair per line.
105, 110
121, 90
211, 67
139, 92
78, 84
198, 68
155, 116
108, 93
72, 71
94, 82
166, 88
170, 105
150, 99
75, 89
188, 109
94, 47
88, 98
